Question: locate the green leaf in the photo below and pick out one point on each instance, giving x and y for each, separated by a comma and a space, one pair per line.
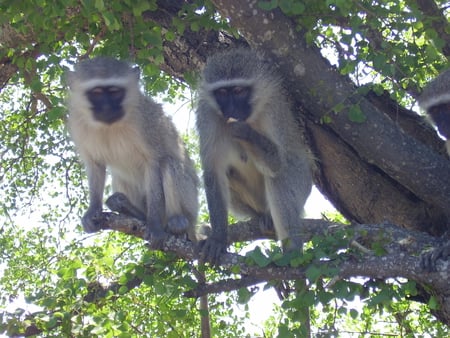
258, 257
268, 5
355, 114
433, 304
313, 273
244, 296
139, 7
99, 5
339, 107
123, 289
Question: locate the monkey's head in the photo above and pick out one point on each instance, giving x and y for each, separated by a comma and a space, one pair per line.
103, 86
237, 82
435, 100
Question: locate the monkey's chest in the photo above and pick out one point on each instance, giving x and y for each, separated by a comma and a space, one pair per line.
245, 183
126, 156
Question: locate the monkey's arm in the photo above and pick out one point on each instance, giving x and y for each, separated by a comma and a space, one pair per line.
96, 173
264, 151
155, 207
215, 245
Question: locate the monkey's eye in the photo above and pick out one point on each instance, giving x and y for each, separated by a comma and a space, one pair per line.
240, 91
113, 89
97, 91
115, 92
221, 92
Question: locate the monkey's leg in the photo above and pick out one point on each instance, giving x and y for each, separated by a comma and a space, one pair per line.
286, 194
215, 245
239, 207
96, 178
266, 224
155, 207
120, 203
173, 181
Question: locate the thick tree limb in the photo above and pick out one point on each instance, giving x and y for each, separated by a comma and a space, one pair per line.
402, 259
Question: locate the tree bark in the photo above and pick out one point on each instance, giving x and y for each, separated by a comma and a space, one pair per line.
402, 258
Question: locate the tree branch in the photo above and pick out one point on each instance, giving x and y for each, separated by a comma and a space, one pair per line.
402, 258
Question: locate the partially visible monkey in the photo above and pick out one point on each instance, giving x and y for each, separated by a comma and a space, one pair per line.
117, 127
254, 161
435, 100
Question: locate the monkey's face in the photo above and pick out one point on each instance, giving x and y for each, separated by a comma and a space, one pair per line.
106, 103
441, 116
234, 101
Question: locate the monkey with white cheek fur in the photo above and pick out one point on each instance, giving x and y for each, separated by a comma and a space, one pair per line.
253, 158
435, 100
115, 126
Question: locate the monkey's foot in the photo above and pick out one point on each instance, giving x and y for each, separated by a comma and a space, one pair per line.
283, 289
211, 249
178, 225
91, 220
428, 259
266, 224
120, 203
155, 239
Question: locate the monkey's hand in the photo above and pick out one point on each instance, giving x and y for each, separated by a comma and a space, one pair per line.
428, 259
211, 249
266, 224
264, 150
241, 130
155, 237
91, 220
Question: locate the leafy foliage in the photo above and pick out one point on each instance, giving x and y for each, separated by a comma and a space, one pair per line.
60, 282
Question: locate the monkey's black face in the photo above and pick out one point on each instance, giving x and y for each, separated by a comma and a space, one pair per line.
441, 117
107, 103
234, 102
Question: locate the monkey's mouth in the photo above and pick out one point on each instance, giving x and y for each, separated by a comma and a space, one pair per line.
231, 120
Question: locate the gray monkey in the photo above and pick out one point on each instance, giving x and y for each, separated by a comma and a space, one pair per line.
253, 159
115, 126
435, 100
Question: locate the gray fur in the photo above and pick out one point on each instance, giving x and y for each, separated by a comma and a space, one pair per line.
258, 167
435, 100
436, 92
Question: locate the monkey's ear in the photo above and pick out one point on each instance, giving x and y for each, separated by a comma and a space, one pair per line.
69, 78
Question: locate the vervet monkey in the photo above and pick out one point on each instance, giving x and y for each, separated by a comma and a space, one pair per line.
435, 100
117, 127
253, 159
